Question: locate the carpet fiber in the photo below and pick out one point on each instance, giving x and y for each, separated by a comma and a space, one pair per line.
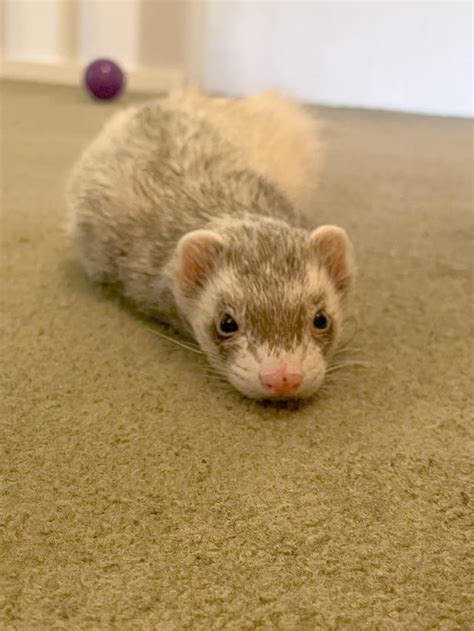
137, 494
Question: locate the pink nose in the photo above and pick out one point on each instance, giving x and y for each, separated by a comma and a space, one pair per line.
280, 382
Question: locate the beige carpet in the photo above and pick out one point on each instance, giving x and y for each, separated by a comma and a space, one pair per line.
139, 495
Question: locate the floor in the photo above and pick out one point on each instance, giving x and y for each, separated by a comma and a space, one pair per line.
139, 495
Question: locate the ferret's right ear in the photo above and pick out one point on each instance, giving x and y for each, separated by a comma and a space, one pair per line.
334, 251
197, 252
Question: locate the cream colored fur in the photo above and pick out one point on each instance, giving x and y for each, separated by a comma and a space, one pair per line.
275, 134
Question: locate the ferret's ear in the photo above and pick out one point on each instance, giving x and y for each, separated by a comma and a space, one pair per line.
334, 251
196, 255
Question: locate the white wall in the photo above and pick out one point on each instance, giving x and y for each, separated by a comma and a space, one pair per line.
53, 40
109, 28
406, 55
411, 56
105, 28
31, 29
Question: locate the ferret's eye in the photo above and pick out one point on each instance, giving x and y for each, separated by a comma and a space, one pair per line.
320, 322
227, 326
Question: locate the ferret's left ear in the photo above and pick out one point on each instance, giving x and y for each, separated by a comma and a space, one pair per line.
334, 251
196, 256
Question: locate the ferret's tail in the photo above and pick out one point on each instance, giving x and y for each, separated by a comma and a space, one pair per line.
277, 136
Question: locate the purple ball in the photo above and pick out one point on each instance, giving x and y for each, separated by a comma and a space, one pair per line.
104, 79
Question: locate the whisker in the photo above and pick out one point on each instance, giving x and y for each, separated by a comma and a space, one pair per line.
346, 349
345, 343
216, 376
215, 369
347, 364
185, 345
223, 384
217, 379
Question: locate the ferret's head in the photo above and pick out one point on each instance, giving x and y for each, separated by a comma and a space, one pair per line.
264, 302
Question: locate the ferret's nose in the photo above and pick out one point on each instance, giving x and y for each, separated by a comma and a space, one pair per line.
280, 382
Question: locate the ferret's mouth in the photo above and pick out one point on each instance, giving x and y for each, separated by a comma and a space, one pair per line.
285, 397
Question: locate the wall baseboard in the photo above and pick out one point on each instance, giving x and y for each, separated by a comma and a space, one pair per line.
153, 80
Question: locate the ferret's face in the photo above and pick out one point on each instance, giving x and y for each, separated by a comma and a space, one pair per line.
265, 304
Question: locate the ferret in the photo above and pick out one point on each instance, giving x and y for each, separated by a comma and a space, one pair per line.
193, 206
